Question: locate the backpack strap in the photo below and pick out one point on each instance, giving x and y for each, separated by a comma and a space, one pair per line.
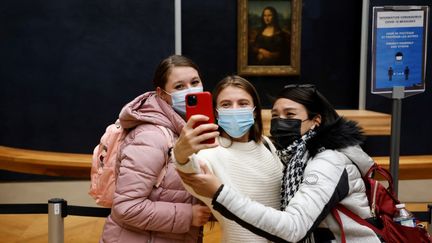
170, 139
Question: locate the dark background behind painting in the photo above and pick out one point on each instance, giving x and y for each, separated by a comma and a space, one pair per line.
67, 67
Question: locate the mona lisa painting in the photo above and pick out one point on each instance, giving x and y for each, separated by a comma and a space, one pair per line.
269, 37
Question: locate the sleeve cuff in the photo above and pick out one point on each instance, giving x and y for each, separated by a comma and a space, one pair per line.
191, 166
216, 195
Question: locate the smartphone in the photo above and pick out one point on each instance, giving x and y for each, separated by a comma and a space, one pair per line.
200, 103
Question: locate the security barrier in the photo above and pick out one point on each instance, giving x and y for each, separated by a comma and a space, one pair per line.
57, 209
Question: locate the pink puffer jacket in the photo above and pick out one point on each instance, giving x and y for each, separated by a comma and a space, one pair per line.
141, 212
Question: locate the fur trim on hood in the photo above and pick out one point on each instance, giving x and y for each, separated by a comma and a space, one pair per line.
340, 134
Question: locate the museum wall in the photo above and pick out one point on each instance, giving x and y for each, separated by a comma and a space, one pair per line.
67, 67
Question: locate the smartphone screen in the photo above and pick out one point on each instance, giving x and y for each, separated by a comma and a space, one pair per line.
200, 103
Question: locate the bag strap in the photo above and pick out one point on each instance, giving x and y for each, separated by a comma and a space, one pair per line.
384, 173
270, 147
168, 134
266, 144
354, 217
336, 216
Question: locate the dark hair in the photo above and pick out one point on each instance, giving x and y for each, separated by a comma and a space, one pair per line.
255, 132
314, 102
164, 68
275, 18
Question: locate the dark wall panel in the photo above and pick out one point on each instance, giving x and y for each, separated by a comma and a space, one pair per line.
67, 67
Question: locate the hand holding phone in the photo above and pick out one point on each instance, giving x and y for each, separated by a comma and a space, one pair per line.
200, 103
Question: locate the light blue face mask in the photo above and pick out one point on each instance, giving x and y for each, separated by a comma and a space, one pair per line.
236, 122
178, 99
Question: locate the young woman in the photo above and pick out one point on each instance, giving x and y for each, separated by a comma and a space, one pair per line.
238, 157
143, 211
318, 148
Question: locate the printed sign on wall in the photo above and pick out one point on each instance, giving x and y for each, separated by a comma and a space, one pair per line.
399, 48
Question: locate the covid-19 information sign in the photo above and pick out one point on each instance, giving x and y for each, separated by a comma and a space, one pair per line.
399, 45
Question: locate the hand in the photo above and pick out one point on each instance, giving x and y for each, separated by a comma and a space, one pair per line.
190, 138
264, 53
205, 184
200, 215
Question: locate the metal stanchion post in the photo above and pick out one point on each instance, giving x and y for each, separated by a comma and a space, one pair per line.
397, 96
56, 213
430, 218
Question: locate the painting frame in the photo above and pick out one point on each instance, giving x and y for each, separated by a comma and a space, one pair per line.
291, 64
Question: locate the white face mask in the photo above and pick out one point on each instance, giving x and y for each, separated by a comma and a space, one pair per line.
178, 99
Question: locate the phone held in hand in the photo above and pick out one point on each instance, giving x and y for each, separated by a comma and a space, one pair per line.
200, 103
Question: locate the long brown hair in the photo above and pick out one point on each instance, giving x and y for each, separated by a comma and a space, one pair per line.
255, 132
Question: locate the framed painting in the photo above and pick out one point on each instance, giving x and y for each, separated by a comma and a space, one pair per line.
269, 37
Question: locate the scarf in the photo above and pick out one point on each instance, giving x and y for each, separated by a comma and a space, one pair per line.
295, 158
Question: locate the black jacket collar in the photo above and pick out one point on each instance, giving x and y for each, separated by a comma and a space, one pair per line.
340, 134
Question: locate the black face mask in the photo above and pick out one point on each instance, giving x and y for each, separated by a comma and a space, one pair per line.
285, 131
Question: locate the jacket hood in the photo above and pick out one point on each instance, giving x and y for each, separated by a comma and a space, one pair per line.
361, 159
346, 137
338, 135
150, 109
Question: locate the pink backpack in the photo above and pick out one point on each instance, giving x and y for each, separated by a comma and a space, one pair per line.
105, 163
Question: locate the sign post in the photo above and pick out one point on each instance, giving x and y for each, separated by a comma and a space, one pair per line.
397, 96
399, 35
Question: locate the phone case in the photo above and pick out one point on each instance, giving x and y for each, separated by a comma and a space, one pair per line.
200, 103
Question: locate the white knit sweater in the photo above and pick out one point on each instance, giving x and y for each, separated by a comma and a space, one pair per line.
248, 167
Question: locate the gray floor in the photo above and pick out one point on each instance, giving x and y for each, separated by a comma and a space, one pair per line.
75, 192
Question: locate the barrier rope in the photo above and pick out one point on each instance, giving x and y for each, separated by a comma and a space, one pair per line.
42, 208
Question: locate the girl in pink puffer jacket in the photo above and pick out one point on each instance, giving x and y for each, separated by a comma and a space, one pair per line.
142, 211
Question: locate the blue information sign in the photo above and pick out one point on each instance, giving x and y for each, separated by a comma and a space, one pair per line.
399, 49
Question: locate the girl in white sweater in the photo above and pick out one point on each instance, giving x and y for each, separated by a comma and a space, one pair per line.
238, 157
